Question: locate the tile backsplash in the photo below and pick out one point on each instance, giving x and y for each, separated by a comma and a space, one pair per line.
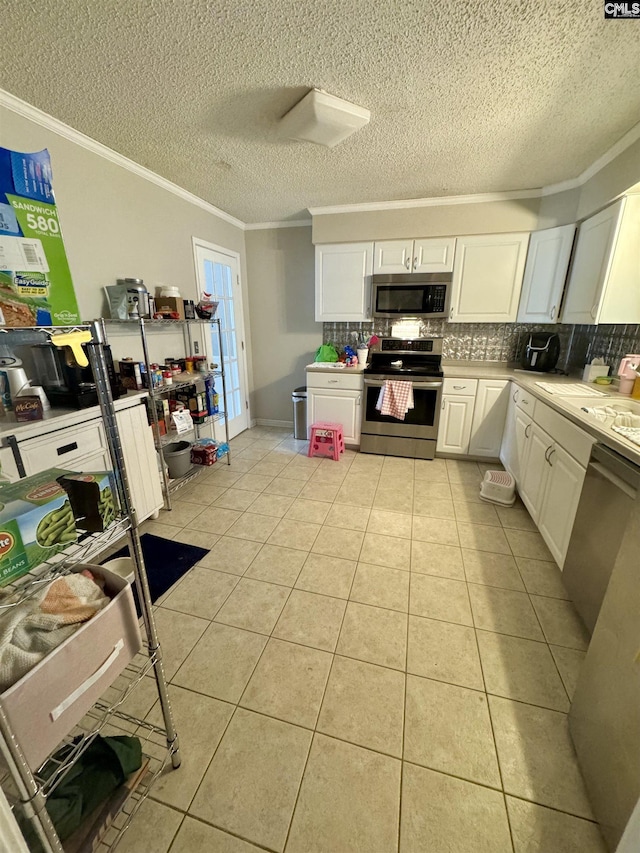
505, 342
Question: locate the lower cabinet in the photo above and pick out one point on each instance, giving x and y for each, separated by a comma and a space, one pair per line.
335, 398
549, 477
456, 419
472, 417
83, 447
489, 415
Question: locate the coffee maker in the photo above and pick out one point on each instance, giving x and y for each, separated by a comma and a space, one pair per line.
66, 384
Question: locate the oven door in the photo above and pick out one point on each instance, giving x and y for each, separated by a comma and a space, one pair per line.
419, 422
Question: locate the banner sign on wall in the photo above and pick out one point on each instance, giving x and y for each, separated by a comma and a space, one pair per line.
35, 281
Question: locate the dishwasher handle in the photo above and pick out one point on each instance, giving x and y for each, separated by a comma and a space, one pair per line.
616, 481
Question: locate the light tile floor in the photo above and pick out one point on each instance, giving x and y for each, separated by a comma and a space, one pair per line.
368, 659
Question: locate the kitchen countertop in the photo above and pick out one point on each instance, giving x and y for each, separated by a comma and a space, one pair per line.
322, 368
527, 380
59, 418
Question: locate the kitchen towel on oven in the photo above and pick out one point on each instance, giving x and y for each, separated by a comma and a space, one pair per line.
396, 398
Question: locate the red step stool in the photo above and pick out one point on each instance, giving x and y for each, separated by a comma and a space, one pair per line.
327, 439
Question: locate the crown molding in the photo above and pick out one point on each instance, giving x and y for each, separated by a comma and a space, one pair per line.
294, 223
16, 105
609, 156
436, 201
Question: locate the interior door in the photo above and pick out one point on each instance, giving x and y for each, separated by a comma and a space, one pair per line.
217, 273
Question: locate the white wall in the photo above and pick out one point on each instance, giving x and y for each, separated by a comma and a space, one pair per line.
116, 223
280, 267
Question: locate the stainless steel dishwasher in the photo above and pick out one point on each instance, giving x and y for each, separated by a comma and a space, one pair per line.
610, 489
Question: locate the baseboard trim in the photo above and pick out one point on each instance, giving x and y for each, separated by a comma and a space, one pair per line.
269, 422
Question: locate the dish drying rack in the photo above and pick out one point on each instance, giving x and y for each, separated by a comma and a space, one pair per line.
28, 790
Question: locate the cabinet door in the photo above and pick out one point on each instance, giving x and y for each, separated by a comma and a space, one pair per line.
535, 469
454, 429
508, 446
522, 436
545, 273
343, 407
492, 399
434, 255
590, 266
393, 256
560, 501
343, 284
141, 460
487, 278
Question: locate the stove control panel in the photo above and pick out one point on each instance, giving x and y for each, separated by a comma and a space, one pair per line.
416, 345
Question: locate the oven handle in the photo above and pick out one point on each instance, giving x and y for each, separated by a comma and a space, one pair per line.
419, 385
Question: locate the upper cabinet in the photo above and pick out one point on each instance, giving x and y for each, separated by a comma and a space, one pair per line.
487, 278
432, 255
603, 285
545, 274
343, 284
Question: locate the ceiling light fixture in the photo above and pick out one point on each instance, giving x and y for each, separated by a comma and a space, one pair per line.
323, 118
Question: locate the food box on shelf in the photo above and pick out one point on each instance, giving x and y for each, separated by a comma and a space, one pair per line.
204, 454
46, 703
36, 521
35, 282
131, 373
92, 499
167, 305
195, 400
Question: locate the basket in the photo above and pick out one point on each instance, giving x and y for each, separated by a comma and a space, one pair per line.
498, 487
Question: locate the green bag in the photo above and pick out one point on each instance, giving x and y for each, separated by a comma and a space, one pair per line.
327, 352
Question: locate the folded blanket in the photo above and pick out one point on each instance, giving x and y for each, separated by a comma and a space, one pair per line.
34, 628
396, 398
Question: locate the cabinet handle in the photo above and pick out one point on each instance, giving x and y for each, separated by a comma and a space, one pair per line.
407, 263
549, 453
67, 448
526, 433
415, 263
516, 394
553, 312
593, 312
459, 387
525, 402
443, 405
332, 381
451, 314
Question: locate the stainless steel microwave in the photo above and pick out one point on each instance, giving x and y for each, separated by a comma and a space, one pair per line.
411, 294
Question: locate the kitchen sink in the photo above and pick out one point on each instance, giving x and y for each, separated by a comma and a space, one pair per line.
620, 404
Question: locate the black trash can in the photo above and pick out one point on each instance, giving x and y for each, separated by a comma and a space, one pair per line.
299, 399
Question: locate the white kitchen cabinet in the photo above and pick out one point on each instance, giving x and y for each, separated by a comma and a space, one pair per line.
545, 273
490, 410
343, 283
517, 431
401, 256
535, 469
335, 397
564, 481
454, 429
603, 282
487, 278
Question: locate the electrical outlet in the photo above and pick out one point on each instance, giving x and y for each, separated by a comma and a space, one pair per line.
196, 347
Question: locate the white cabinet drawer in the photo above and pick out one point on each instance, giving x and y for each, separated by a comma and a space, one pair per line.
346, 381
524, 400
574, 440
63, 448
465, 387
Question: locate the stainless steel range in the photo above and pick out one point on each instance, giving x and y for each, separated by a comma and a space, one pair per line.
419, 362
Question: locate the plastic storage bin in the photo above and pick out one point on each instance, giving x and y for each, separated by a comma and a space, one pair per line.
299, 399
46, 703
177, 455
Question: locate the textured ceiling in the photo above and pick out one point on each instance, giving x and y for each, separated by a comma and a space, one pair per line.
480, 96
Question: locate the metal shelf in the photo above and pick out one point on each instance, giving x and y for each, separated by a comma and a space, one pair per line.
172, 436
181, 381
191, 474
159, 323
31, 789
